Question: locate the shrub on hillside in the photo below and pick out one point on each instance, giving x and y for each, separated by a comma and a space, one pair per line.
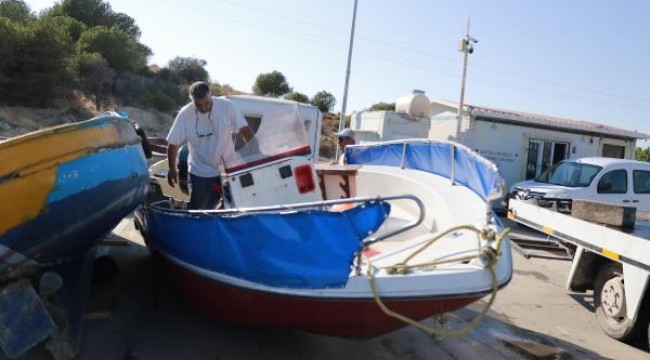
157, 100
129, 87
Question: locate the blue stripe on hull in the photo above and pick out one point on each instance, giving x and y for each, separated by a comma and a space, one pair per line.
89, 209
89, 171
73, 224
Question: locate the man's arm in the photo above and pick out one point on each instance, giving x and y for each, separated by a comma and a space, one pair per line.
246, 133
172, 160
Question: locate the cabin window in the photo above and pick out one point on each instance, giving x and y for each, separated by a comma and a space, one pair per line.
614, 182
542, 154
641, 181
254, 124
614, 151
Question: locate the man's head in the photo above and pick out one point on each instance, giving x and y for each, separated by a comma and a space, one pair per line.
201, 96
346, 137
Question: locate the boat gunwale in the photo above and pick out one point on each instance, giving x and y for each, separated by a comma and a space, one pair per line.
319, 294
54, 158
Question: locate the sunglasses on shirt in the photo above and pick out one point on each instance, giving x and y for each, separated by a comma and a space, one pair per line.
204, 130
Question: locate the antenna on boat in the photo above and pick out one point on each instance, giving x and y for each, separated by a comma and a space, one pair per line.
347, 77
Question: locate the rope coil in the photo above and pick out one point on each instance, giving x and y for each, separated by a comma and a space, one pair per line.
488, 256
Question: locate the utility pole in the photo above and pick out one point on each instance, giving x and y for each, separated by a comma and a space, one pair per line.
347, 76
466, 47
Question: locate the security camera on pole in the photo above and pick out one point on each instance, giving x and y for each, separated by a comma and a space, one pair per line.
466, 46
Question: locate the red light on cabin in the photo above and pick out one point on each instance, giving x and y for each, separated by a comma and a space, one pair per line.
304, 178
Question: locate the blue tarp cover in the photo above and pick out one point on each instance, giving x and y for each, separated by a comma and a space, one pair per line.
304, 249
471, 170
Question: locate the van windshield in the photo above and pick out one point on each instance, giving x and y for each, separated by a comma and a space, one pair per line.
569, 173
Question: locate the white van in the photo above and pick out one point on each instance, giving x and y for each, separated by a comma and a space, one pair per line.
617, 181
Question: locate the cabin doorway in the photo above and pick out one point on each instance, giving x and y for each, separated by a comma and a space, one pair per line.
542, 154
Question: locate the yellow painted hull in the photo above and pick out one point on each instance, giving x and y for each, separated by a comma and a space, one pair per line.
57, 182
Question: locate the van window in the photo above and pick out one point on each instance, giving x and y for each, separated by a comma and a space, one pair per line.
569, 173
641, 181
614, 182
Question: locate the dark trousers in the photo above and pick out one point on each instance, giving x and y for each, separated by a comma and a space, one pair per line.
205, 193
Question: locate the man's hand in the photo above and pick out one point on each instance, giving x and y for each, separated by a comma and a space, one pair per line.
172, 157
172, 177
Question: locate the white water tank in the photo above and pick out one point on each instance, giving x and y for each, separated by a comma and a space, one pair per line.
414, 104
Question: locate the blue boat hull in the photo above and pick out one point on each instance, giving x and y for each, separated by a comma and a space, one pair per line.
75, 223
70, 197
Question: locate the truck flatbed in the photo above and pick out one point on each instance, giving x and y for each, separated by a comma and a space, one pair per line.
613, 262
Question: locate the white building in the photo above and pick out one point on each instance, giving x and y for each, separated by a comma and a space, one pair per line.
521, 144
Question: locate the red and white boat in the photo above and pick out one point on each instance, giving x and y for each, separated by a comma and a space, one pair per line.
295, 242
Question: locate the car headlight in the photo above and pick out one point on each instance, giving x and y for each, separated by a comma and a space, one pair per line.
521, 194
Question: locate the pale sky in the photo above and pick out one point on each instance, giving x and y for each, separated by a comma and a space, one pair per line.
582, 59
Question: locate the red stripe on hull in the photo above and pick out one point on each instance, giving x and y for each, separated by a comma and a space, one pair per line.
337, 317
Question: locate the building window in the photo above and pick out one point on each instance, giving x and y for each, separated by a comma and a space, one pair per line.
542, 154
614, 151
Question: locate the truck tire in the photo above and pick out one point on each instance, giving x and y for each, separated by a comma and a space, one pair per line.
611, 312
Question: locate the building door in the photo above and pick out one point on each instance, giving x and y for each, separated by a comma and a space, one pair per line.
542, 154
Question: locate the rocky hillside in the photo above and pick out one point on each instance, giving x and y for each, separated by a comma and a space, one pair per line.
16, 121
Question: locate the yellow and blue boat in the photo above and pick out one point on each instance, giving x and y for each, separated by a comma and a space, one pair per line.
63, 188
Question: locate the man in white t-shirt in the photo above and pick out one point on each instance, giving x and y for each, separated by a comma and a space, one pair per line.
207, 125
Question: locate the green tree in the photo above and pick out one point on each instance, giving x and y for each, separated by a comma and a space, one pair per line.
95, 77
126, 24
642, 154
96, 13
73, 26
90, 12
11, 37
44, 61
323, 100
9, 57
157, 100
186, 70
271, 84
297, 96
122, 52
382, 106
17, 11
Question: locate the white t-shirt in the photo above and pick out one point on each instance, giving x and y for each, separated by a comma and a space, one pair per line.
209, 136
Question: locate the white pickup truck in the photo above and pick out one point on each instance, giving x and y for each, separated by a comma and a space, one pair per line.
614, 264
616, 181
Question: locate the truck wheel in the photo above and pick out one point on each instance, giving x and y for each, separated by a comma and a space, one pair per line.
611, 311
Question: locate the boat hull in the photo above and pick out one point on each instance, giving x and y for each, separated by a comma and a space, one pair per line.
66, 187
215, 258
342, 317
